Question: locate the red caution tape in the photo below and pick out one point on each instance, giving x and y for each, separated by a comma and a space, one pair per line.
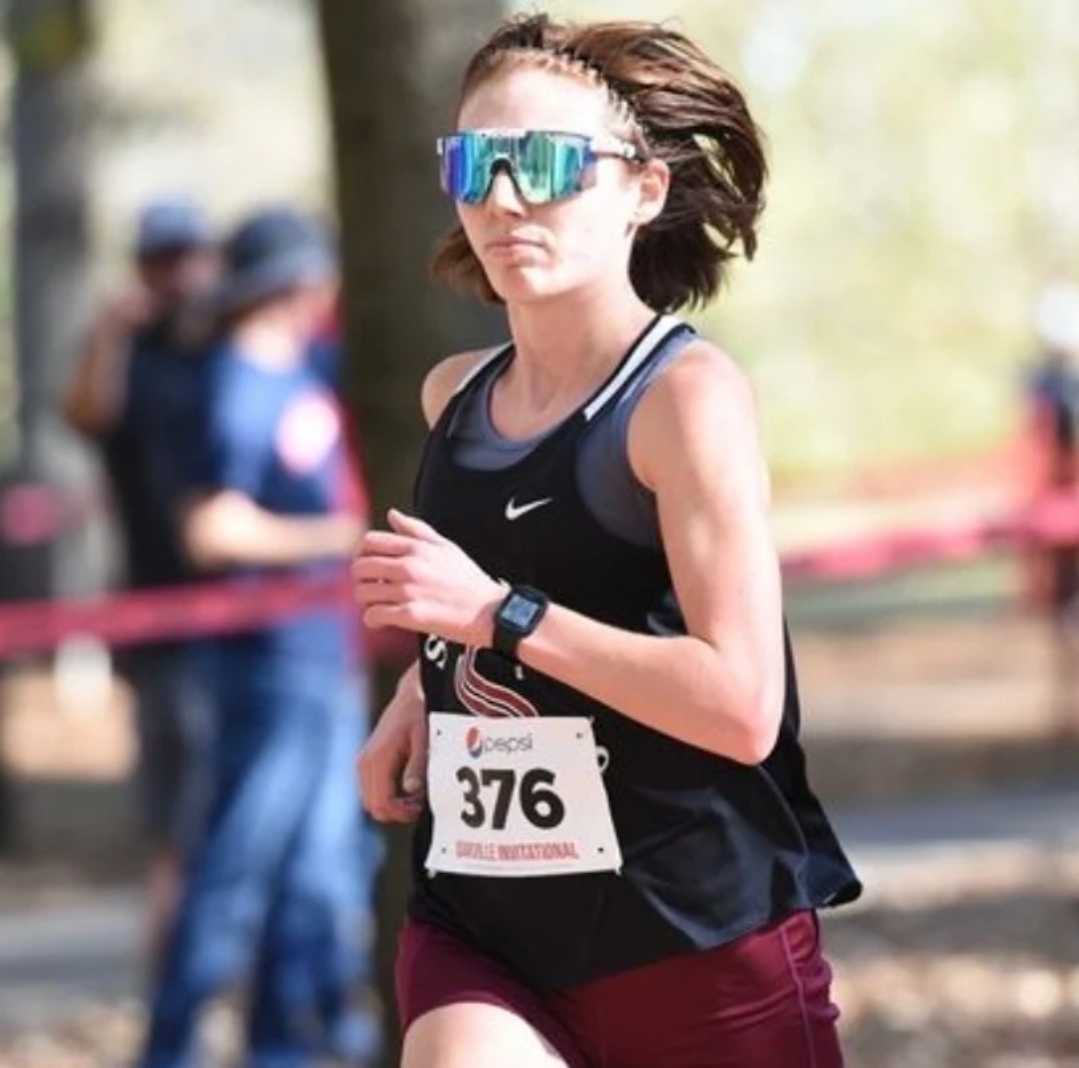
1051, 520
881, 553
183, 612
235, 606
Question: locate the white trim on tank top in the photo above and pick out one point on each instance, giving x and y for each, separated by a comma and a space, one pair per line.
644, 348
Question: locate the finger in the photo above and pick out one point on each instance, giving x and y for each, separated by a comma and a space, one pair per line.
408, 806
413, 782
384, 543
403, 812
385, 805
413, 527
378, 769
414, 777
369, 594
396, 810
380, 569
403, 615
378, 787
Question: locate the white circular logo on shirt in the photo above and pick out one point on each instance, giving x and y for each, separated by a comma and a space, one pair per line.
308, 432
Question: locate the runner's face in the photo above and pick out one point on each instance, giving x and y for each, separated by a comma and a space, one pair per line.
532, 252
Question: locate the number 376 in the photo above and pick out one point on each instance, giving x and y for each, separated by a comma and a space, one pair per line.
539, 804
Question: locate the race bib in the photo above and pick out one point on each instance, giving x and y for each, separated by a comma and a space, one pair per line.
514, 797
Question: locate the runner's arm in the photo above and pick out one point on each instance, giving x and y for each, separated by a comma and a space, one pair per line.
693, 441
392, 765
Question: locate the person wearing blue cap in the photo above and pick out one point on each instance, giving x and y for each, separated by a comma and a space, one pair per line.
277, 889
131, 393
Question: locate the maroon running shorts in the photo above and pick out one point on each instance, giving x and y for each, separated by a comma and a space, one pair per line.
762, 1000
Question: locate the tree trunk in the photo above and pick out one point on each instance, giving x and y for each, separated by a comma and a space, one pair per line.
393, 71
50, 42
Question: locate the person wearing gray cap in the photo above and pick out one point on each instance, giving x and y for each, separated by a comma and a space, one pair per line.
277, 889
133, 384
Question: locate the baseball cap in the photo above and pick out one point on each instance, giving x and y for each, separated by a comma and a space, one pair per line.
171, 225
273, 251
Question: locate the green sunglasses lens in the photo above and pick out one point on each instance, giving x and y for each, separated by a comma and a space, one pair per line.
465, 167
544, 166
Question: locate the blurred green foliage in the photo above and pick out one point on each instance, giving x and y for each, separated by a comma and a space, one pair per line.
47, 36
925, 186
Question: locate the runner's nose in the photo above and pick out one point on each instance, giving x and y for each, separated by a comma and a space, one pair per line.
503, 194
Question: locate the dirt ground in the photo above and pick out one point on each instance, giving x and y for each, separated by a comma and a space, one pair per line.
980, 970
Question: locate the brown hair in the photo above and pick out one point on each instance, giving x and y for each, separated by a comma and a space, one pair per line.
674, 104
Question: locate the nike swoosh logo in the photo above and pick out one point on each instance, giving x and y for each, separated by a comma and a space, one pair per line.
515, 511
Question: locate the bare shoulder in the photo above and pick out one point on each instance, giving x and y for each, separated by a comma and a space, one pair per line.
701, 376
701, 403
444, 378
702, 384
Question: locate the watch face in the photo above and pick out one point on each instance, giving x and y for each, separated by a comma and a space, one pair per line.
519, 612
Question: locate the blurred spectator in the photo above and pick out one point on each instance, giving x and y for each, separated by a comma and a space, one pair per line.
133, 391
278, 887
1051, 475
325, 349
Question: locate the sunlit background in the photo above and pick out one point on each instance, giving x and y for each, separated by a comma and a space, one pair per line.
924, 190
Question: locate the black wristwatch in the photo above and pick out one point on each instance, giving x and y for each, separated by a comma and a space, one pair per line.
517, 617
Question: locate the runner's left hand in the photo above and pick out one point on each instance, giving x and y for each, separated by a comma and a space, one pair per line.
414, 578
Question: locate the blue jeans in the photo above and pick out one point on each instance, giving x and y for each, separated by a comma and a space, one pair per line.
279, 888
173, 725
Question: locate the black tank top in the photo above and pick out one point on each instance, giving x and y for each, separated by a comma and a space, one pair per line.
712, 849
